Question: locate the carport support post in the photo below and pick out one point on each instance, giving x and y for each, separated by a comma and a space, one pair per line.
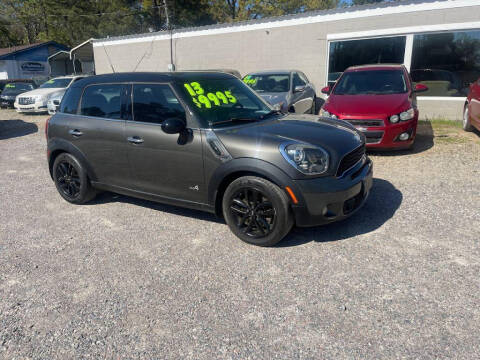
407, 57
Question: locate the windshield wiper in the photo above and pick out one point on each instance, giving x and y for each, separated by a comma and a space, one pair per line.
271, 112
234, 119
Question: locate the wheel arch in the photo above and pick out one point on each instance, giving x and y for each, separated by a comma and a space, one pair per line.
237, 168
58, 147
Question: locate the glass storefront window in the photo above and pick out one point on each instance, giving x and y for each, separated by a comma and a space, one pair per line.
446, 62
366, 51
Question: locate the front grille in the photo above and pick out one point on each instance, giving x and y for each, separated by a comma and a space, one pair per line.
26, 100
373, 137
351, 159
366, 122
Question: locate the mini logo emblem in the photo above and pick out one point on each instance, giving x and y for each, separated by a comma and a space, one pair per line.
196, 188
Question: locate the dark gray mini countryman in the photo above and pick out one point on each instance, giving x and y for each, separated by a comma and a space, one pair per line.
206, 141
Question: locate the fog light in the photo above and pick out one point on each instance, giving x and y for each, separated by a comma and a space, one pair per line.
404, 136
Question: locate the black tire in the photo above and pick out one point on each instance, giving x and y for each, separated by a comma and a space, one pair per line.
71, 180
257, 211
313, 110
467, 125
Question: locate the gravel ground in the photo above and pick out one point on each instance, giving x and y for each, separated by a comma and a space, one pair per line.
126, 278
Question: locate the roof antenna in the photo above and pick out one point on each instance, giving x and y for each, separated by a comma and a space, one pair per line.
108, 57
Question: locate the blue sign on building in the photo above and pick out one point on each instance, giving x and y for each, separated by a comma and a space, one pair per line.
28, 61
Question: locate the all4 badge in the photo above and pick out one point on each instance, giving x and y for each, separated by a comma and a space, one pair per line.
196, 188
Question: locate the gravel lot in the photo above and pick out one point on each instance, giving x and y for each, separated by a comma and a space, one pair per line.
126, 278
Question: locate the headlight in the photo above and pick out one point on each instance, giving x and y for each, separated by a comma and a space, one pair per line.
308, 159
394, 119
403, 116
325, 113
278, 106
407, 115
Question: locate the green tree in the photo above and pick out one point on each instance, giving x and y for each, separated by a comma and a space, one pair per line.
237, 10
362, 2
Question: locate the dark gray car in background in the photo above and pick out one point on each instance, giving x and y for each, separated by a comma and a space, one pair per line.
206, 141
287, 90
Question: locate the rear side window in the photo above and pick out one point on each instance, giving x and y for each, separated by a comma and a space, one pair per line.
103, 100
70, 100
153, 103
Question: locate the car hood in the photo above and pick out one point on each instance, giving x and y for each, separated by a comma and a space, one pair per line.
262, 139
37, 92
275, 98
365, 105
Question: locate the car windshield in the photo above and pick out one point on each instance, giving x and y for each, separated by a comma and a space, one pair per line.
16, 88
271, 83
375, 82
222, 100
56, 83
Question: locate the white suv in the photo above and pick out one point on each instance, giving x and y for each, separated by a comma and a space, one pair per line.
36, 100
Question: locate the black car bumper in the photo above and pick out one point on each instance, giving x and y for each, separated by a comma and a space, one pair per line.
327, 200
7, 103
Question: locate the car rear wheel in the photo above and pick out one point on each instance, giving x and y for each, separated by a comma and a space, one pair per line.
467, 126
71, 180
257, 211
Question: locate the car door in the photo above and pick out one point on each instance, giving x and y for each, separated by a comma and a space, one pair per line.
301, 100
160, 163
98, 132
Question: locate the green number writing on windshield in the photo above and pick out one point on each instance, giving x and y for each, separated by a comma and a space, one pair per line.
230, 97
249, 81
222, 97
12, 86
202, 99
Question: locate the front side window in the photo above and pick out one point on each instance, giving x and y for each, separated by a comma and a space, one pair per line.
56, 83
271, 83
103, 100
220, 100
447, 62
344, 54
154, 103
298, 81
374, 82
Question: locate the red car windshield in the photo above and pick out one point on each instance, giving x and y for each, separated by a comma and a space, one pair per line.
375, 82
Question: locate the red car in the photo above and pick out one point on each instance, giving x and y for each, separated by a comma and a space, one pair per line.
378, 100
471, 112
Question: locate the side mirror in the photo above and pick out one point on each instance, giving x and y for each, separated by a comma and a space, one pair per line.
420, 88
299, 88
326, 90
173, 125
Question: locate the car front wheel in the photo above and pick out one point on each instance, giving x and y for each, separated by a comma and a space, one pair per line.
257, 211
71, 180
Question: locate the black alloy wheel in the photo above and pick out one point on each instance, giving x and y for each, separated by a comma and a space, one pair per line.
257, 211
68, 179
71, 179
254, 213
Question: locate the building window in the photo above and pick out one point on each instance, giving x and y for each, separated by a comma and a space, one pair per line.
447, 63
367, 51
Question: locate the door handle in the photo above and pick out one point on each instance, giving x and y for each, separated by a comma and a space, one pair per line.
135, 140
75, 132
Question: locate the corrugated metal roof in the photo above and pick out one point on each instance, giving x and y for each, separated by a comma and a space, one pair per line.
386, 4
14, 49
10, 50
